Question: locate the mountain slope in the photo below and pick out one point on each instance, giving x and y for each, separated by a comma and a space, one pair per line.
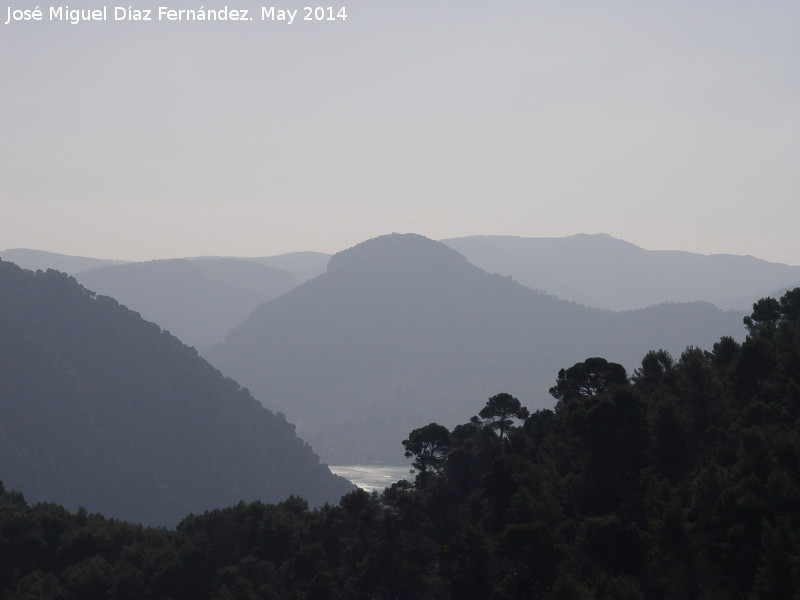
199, 300
402, 330
598, 270
102, 409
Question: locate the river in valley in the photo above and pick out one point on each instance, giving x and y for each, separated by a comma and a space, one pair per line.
373, 477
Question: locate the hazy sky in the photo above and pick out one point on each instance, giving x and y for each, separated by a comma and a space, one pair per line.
673, 125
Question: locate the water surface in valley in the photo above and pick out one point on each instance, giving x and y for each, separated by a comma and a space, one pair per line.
373, 477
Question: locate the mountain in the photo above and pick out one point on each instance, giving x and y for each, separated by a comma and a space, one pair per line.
41, 260
604, 272
402, 330
198, 300
102, 409
748, 300
303, 265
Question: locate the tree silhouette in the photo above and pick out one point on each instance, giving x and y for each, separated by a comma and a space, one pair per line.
500, 410
589, 378
764, 318
430, 446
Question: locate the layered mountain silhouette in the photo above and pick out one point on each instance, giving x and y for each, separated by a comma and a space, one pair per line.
102, 409
36, 260
198, 300
402, 330
303, 265
601, 271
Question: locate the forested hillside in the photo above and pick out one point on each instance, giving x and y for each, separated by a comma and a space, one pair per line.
678, 480
99, 408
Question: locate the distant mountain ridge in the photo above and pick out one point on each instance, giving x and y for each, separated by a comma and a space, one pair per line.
36, 260
592, 269
99, 408
199, 300
303, 265
403, 330
602, 271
